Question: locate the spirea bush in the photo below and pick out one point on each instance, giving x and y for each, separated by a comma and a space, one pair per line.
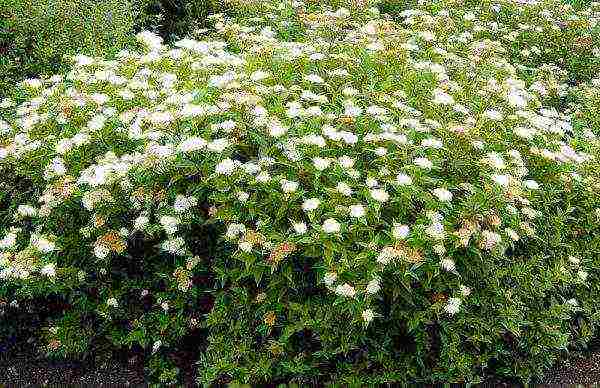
320, 191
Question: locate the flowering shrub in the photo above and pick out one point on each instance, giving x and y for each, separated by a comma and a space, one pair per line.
324, 190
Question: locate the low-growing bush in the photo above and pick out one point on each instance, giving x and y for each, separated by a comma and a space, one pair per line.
312, 192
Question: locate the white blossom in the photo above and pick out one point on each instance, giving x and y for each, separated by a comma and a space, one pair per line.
357, 211
345, 290
310, 204
331, 226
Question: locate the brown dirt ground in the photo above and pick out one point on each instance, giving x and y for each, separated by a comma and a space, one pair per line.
581, 371
577, 370
40, 373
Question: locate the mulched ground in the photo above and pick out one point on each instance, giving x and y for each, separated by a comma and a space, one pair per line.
40, 372
24, 373
585, 371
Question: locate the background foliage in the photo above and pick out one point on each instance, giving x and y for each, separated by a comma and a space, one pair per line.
35, 36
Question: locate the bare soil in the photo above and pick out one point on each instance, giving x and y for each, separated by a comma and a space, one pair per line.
127, 370
576, 370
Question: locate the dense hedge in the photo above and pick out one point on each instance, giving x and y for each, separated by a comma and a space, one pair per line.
316, 191
37, 37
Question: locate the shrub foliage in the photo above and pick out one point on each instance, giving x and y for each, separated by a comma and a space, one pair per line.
319, 190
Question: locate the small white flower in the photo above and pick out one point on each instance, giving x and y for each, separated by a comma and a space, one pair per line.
439, 249
442, 98
233, 230
400, 232
502, 180
169, 224
423, 163
313, 78
373, 286
277, 130
512, 234
150, 39
321, 163
242, 196
63, 146
289, 186
368, 315
436, 231
183, 203
355, 174
49, 270
100, 251
263, 177
175, 246
300, 227
259, 75
225, 167
9, 241
245, 246
380, 151
490, 239
572, 302
516, 99
453, 306
465, 291
192, 144
493, 115
443, 195
345, 290
344, 189
83, 60
371, 182
346, 161
380, 195
43, 244
349, 92
357, 211
331, 226
330, 278
403, 180
112, 302
448, 265
99, 98
218, 145
26, 211
141, 222
156, 346
310, 204
531, 184
574, 260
